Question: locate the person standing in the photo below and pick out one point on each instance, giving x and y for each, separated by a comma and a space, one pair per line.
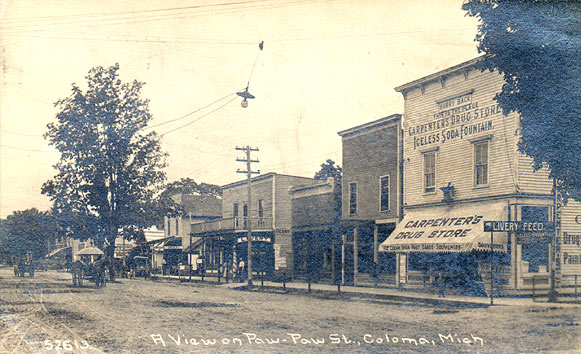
241, 270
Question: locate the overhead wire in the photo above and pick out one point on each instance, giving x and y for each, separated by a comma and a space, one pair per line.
197, 119
161, 17
192, 112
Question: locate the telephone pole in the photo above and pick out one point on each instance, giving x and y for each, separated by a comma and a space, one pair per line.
247, 149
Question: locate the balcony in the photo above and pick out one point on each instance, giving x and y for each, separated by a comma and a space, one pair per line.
239, 224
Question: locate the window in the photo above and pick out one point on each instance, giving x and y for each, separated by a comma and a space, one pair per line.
245, 214
430, 172
260, 213
235, 214
384, 193
352, 198
481, 163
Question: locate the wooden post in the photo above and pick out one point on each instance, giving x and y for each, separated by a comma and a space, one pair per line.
355, 255
375, 253
491, 270
333, 275
344, 239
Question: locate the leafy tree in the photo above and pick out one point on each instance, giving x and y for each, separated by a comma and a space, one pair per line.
110, 170
27, 230
536, 45
329, 169
166, 206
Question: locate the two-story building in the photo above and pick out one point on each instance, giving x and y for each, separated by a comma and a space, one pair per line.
462, 168
316, 229
224, 240
371, 193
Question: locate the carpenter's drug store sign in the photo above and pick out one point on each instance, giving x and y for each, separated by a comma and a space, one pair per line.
456, 118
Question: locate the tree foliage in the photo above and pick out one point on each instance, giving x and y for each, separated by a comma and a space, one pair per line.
330, 170
536, 45
27, 230
110, 170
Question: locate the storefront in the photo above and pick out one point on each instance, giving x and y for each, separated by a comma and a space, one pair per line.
462, 167
449, 240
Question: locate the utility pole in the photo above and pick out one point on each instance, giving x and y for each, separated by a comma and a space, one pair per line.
247, 149
555, 244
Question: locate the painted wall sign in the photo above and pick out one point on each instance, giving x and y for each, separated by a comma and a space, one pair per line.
456, 118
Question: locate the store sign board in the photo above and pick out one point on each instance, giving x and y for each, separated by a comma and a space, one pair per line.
525, 231
254, 239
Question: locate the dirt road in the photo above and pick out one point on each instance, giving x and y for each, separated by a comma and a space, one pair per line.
46, 314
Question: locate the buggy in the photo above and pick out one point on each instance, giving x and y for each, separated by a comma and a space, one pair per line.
140, 267
94, 272
24, 265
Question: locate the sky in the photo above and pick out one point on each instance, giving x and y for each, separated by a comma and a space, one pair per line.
325, 66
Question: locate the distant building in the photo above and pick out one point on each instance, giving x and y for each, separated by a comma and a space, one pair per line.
178, 230
270, 217
371, 192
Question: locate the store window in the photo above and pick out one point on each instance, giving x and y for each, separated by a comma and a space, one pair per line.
535, 252
384, 193
430, 172
481, 163
352, 198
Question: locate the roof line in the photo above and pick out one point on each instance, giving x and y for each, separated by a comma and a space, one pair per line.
436, 75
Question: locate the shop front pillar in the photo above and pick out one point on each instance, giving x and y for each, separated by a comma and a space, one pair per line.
344, 241
355, 255
375, 246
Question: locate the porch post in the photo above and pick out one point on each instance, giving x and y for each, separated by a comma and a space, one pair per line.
375, 246
355, 255
344, 239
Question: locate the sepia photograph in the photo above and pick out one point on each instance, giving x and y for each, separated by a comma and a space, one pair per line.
290, 176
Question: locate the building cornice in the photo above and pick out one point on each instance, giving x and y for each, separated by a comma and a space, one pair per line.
439, 75
371, 125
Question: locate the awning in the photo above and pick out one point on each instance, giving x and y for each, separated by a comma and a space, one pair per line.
457, 228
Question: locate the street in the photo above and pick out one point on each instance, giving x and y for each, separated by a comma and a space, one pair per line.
46, 314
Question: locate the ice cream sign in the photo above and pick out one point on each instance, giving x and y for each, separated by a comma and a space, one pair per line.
456, 118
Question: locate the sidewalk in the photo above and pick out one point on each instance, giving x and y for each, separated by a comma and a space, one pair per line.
388, 293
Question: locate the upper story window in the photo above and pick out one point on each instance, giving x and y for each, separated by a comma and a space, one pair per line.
384, 193
430, 172
260, 209
235, 210
352, 198
481, 163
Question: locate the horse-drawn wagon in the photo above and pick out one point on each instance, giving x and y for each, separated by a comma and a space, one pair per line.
24, 265
90, 266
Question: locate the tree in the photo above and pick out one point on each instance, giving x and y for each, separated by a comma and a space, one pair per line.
24, 231
535, 44
330, 170
110, 170
166, 205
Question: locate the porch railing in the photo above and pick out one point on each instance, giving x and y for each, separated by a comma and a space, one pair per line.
234, 224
